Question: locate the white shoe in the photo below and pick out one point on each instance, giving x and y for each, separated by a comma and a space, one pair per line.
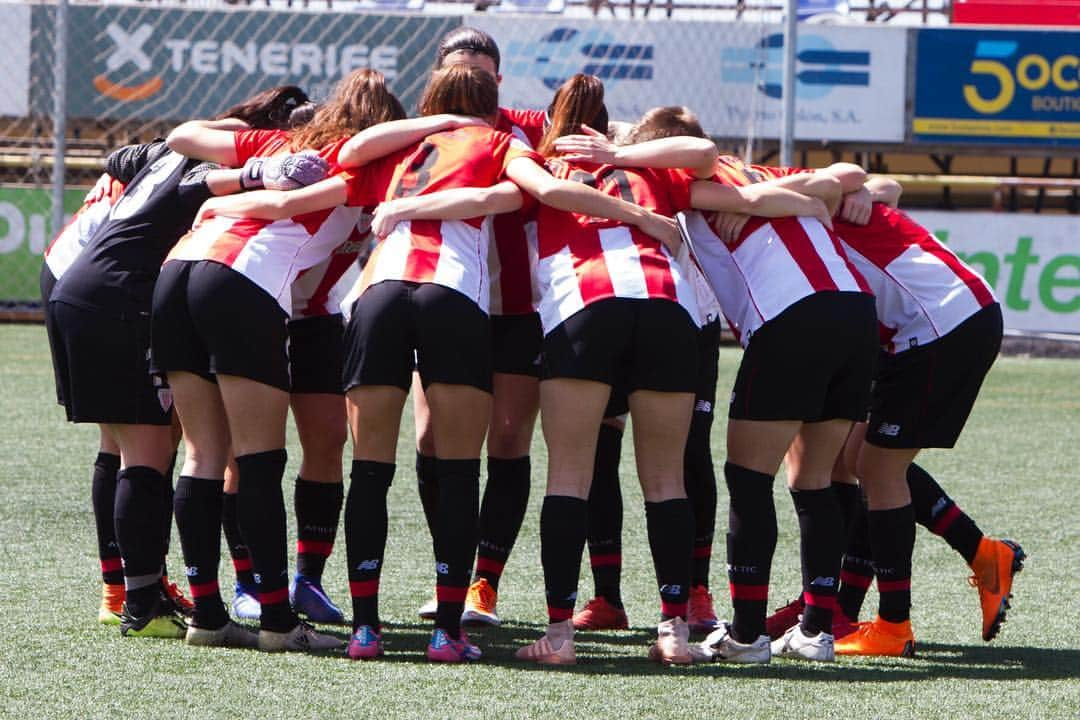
720, 646
301, 638
795, 644
428, 610
228, 635
672, 643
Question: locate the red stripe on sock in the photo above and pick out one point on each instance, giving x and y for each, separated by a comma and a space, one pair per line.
274, 597
611, 560
363, 588
673, 609
448, 593
314, 547
489, 565
111, 564
749, 592
559, 614
241, 564
205, 589
826, 602
947, 519
893, 585
703, 552
862, 582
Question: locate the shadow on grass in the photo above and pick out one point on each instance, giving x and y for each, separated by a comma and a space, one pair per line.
406, 642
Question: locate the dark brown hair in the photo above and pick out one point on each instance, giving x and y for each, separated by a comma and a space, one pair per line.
664, 122
269, 109
471, 40
360, 100
462, 90
580, 101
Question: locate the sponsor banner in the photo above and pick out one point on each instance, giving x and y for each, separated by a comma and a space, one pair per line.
138, 62
997, 86
851, 80
1032, 262
25, 215
15, 80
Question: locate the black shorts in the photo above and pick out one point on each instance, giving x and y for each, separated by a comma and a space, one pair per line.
395, 322
102, 369
629, 344
317, 354
47, 282
516, 342
922, 397
210, 320
812, 362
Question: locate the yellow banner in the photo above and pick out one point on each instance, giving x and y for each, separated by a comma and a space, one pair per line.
996, 128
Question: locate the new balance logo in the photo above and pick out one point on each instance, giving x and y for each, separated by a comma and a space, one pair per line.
368, 565
671, 590
191, 570
703, 406
442, 568
823, 582
889, 429
940, 505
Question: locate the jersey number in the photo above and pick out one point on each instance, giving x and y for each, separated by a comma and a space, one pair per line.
418, 174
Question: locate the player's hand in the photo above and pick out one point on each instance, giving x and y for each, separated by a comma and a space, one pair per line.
662, 228
821, 213
387, 216
292, 171
729, 225
857, 206
589, 146
211, 208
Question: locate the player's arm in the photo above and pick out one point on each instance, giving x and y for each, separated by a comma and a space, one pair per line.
278, 204
693, 153
579, 198
210, 140
761, 199
388, 137
884, 190
127, 162
851, 176
820, 184
453, 204
858, 206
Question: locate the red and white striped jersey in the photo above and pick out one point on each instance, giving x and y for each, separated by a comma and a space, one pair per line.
513, 254
95, 210
319, 290
452, 253
585, 259
922, 290
272, 253
773, 264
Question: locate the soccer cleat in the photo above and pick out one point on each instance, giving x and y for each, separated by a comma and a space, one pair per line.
600, 614
245, 604
429, 609
301, 638
310, 600
161, 622
784, 618
443, 648
672, 645
228, 635
700, 615
365, 644
112, 604
175, 596
879, 637
795, 644
995, 564
555, 647
842, 625
480, 604
720, 646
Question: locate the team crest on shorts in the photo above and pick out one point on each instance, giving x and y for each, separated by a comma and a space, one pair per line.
164, 396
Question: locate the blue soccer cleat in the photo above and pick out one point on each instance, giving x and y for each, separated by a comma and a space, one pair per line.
310, 600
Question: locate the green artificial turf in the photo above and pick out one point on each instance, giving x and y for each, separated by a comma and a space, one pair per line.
1015, 471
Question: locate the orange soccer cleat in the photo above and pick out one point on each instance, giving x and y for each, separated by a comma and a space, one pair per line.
995, 563
879, 637
599, 614
176, 596
480, 604
112, 604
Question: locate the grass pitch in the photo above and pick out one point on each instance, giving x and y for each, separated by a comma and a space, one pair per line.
1014, 471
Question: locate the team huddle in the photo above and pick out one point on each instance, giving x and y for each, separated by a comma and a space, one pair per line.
503, 265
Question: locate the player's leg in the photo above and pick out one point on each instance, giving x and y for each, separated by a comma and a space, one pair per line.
103, 497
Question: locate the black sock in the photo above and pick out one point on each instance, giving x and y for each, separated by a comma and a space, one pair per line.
701, 491
892, 538
821, 544
318, 509
849, 498
238, 550
937, 512
751, 541
562, 540
427, 484
365, 537
166, 525
103, 498
197, 506
605, 517
671, 540
140, 493
857, 568
261, 506
455, 539
503, 509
